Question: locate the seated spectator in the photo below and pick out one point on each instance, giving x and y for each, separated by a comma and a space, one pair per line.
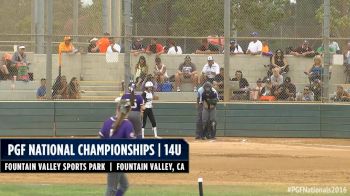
93, 48
160, 72
103, 43
307, 94
335, 45
19, 58
268, 91
207, 48
276, 78
137, 46
265, 51
150, 78
41, 92
74, 89
216, 40
316, 88
113, 47
242, 92
7, 68
235, 48
342, 95
60, 88
279, 61
315, 72
155, 47
209, 71
255, 46
303, 50
66, 46
218, 83
141, 71
256, 93
187, 70
173, 48
286, 91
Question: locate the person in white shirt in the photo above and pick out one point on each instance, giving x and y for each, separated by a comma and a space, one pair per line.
235, 48
255, 46
173, 49
113, 47
160, 71
209, 71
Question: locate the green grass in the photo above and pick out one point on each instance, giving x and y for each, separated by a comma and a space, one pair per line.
144, 190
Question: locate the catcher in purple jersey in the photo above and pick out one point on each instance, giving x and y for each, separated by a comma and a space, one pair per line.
118, 127
137, 107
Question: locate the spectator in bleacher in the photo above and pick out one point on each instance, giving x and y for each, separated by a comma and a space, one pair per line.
304, 50
173, 48
155, 47
335, 45
137, 46
307, 94
187, 70
255, 46
66, 46
207, 48
346, 63
320, 50
19, 58
278, 60
74, 89
255, 93
41, 92
103, 43
209, 71
286, 91
60, 88
242, 93
160, 72
93, 48
315, 72
276, 78
113, 47
7, 68
218, 83
141, 71
341, 94
268, 91
265, 51
316, 88
235, 48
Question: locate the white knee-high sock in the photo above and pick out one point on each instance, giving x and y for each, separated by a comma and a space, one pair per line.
155, 131
143, 132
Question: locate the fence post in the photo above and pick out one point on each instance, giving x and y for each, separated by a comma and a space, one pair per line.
127, 40
326, 57
227, 26
49, 10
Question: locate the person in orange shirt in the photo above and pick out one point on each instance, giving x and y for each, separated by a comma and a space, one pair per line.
103, 43
265, 51
66, 46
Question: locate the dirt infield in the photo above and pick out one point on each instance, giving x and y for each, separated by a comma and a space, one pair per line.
229, 161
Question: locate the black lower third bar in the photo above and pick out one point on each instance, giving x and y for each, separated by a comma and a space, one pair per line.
94, 166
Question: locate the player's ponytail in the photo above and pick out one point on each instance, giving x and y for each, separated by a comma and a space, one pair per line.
123, 110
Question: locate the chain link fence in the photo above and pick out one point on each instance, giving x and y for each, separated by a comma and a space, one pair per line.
192, 31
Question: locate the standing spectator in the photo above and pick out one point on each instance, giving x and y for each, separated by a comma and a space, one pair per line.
207, 48
276, 78
279, 61
209, 71
60, 88
137, 46
141, 71
173, 48
256, 92
41, 92
341, 94
7, 68
235, 48
286, 91
265, 51
160, 72
66, 46
303, 50
93, 48
19, 58
187, 70
74, 89
346, 64
103, 43
210, 99
155, 47
315, 72
255, 46
242, 93
113, 47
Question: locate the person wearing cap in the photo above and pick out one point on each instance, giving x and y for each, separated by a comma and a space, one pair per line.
207, 48
113, 47
209, 71
93, 48
304, 50
137, 46
255, 46
235, 48
267, 93
160, 71
155, 47
66, 46
186, 70
118, 127
19, 58
103, 43
7, 68
243, 92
